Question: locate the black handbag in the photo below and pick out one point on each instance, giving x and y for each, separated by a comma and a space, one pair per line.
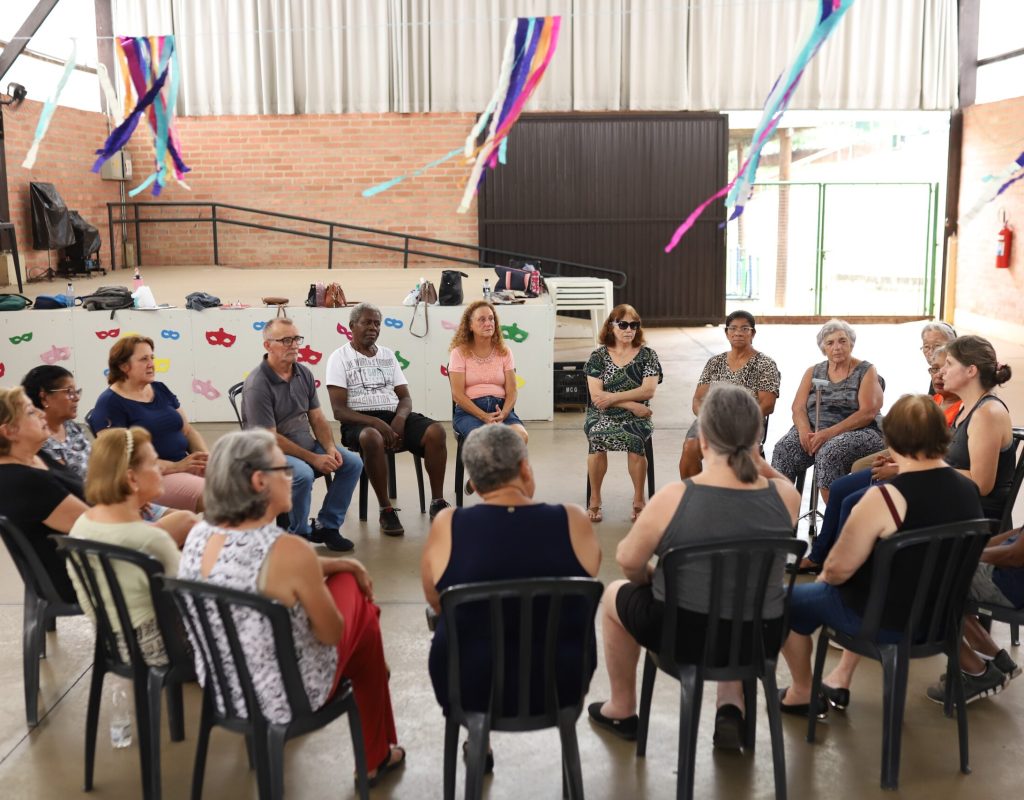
450, 293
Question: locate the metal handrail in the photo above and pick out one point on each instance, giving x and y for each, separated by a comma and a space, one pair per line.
553, 267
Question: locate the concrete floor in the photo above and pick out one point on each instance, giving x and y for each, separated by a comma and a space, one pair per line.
46, 762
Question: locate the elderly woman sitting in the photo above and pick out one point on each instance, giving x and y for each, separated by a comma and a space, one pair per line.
508, 536
335, 625
842, 428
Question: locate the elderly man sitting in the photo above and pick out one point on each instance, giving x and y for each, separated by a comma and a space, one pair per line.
370, 397
280, 395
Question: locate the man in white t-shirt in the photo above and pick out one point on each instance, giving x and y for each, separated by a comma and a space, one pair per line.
370, 398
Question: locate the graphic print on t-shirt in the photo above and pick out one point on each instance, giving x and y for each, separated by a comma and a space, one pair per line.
370, 382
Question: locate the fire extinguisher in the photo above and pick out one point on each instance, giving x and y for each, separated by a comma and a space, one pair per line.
1004, 246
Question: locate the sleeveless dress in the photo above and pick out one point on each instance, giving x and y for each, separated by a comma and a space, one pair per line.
238, 567
496, 543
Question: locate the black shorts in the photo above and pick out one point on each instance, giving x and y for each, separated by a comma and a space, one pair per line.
416, 426
641, 615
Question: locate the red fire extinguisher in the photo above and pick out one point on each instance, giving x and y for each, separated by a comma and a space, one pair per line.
1004, 246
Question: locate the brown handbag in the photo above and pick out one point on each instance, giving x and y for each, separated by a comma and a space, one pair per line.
334, 296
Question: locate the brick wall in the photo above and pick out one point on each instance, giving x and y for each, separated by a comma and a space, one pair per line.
311, 166
991, 141
65, 158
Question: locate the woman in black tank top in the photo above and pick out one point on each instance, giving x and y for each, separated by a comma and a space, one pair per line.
926, 492
982, 447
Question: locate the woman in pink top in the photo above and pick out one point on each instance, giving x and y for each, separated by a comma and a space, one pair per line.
482, 373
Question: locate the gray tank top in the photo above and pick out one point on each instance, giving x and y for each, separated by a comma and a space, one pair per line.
840, 398
712, 513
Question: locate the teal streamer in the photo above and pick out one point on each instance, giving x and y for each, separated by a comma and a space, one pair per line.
383, 187
51, 103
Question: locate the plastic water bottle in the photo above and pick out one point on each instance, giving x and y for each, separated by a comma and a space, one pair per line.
70, 295
487, 290
137, 280
120, 715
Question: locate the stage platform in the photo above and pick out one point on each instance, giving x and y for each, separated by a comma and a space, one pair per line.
201, 354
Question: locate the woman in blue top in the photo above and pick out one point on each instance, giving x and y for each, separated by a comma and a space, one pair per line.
136, 398
508, 536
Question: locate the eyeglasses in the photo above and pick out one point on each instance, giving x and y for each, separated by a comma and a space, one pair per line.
623, 325
288, 341
372, 378
928, 349
741, 329
73, 392
934, 370
288, 471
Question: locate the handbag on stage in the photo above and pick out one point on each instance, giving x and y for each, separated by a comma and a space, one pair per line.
451, 287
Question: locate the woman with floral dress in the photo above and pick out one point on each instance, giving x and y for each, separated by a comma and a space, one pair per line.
622, 375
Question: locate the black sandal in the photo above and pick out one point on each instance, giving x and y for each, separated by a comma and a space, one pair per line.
387, 765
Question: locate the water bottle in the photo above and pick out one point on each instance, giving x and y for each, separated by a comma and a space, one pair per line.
120, 715
137, 280
487, 290
70, 295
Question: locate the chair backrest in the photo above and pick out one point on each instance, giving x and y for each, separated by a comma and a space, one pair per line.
746, 564
564, 608
948, 555
28, 563
202, 606
1018, 478
94, 565
233, 394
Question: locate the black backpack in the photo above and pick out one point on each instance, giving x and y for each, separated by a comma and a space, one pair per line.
450, 291
108, 298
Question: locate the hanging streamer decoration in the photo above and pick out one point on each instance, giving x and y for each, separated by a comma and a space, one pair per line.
51, 105
149, 66
1004, 180
737, 191
528, 50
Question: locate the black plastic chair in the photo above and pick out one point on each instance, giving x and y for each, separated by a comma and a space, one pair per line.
949, 555
42, 607
649, 452
1018, 478
91, 560
750, 562
460, 469
201, 603
499, 598
364, 482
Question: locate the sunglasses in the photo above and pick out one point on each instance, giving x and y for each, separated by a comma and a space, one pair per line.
623, 325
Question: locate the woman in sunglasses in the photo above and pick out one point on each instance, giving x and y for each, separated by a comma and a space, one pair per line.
622, 375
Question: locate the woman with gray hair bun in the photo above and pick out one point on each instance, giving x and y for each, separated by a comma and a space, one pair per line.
842, 428
506, 537
335, 625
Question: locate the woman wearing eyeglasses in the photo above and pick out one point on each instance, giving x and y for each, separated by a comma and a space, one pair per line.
741, 365
52, 390
135, 397
622, 375
934, 337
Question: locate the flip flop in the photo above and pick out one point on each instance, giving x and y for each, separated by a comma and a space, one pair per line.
595, 514
387, 765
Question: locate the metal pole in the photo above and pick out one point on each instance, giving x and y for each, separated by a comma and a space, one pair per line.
110, 228
138, 236
216, 244
330, 247
819, 266
405, 255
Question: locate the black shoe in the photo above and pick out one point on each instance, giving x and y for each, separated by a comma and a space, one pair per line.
623, 728
436, 505
488, 762
390, 524
803, 709
331, 538
730, 728
839, 699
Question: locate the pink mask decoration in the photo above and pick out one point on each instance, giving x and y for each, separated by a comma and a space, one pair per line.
205, 388
344, 331
316, 384
309, 356
3, 369
220, 337
55, 354
444, 370
449, 326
